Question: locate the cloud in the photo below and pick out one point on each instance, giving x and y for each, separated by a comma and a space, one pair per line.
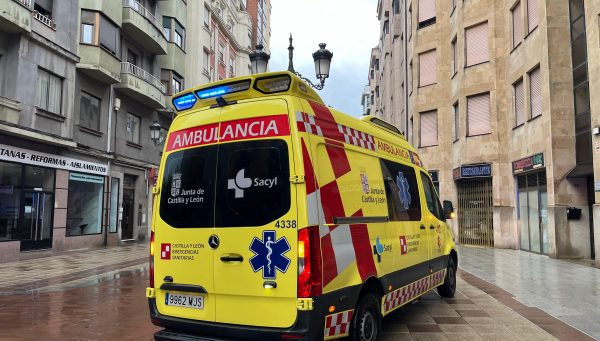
350, 29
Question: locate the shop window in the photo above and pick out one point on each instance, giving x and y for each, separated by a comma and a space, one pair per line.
39, 178
10, 200
89, 111
49, 92
133, 128
84, 205
114, 204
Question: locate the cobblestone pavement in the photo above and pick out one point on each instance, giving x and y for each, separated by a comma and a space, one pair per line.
86, 296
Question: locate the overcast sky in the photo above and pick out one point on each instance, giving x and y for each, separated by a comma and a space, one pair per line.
350, 29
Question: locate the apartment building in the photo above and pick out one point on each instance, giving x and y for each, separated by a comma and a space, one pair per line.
496, 96
81, 85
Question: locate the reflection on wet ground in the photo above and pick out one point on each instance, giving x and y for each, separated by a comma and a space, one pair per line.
111, 306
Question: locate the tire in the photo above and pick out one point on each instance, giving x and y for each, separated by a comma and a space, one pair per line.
448, 288
366, 323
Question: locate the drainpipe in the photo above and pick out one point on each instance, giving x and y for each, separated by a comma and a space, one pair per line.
108, 152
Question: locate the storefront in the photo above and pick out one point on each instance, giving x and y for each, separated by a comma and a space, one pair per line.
47, 198
475, 205
532, 203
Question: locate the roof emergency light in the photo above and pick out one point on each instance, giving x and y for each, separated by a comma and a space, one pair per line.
224, 89
184, 102
269, 85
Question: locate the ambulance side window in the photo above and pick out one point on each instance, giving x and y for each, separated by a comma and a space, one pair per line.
401, 191
433, 204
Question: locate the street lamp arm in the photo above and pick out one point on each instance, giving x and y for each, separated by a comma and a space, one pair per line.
316, 86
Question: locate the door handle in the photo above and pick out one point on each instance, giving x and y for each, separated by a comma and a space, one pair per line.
422, 227
232, 257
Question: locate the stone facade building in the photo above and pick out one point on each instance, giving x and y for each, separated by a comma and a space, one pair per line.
496, 96
81, 82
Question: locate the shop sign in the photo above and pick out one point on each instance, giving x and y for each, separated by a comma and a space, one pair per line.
31, 157
86, 178
528, 163
472, 171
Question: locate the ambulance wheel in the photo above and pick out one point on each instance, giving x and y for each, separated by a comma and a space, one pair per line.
448, 288
366, 324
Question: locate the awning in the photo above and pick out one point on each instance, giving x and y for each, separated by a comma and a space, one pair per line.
581, 171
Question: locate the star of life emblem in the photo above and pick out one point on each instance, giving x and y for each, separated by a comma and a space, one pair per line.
403, 190
269, 255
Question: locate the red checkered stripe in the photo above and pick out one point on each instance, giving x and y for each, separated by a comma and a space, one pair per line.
310, 124
338, 324
401, 296
357, 138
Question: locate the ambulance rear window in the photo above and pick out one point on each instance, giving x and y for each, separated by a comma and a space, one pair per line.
231, 184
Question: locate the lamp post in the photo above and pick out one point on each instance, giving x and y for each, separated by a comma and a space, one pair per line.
322, 58
155, 133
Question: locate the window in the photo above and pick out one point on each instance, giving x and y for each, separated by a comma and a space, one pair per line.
401, 191
476, 41
386, 27
167, 27
44, 7
222, 53
532, 14
223, 198
133, 128
433, 203
429, 129
84, 205
205, 57
206, 17
535, 92
231, 67
377, 90
454, 57
10, 200
478, 115
132, 57
519, 102
114, 204
178, 39
49, 92
396, 6
409, 22
456, 125
426, 13
89, 111
109, 35
410, 77
87, 33
517, 24
176, 83
427, 68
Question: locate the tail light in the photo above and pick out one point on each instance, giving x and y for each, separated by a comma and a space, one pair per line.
310, 275
152, 259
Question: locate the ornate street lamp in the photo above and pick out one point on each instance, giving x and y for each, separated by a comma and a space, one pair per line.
322, 58
155, 134
259, 60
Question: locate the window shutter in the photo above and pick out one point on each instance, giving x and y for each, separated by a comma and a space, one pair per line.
519, 103
478, 111
456, 129
429, 129
535, 90
532, 14
477, 44
454, 57
426, 10
517, 24
427, 68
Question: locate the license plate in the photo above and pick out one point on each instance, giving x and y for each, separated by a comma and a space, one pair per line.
187, 301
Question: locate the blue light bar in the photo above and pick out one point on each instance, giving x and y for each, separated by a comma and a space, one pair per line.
224, 89
184, 102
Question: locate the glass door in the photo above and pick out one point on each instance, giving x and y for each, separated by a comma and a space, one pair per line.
544, 221
36, 226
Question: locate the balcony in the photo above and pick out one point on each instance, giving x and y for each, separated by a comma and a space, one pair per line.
10, 110
46, 21
174, 59
99, 64
143, 27
140, 85
15, 16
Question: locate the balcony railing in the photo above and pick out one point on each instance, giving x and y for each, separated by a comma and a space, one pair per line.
26, 3
143, 74
43, 19
136, 6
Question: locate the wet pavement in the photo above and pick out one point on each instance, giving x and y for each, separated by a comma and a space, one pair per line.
102, 297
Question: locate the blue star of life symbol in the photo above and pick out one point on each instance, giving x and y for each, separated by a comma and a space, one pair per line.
403, 192
269, 255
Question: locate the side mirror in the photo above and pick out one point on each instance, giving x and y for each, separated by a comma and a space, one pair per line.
448, 209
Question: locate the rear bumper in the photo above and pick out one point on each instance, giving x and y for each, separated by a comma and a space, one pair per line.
308, 323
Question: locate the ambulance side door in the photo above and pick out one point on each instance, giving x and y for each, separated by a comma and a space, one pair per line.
435, 225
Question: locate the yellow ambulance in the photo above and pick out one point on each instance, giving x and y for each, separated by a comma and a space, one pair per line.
277, 217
